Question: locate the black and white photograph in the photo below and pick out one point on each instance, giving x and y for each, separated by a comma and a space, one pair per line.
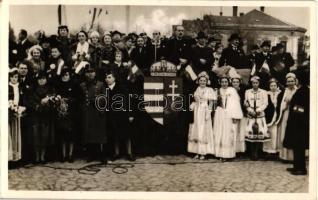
198, 98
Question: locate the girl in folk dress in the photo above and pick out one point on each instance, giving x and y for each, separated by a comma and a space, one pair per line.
271, 117
240, 137
15, 111
200, 139
283, 112
256, 101
227, 115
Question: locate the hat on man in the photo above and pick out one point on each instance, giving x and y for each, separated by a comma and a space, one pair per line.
255, 47
116, 33
234, 36
266, 43
280, 46
201, 35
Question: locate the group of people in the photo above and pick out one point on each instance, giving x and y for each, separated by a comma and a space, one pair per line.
54, 85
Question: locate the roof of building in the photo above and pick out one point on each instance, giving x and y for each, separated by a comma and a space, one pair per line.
254, 19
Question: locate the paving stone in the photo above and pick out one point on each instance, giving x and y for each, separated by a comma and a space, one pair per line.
243, 176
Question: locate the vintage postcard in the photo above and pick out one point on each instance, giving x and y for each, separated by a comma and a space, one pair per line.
158, 99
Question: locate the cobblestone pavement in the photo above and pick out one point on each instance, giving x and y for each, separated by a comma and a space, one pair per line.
154, 174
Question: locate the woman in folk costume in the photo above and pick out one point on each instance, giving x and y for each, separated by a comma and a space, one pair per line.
15, 112
255, 102
43, 104
271, 117
283, 112
200, 138
81, 51
35, 59
236, 83
96, 54
226, 118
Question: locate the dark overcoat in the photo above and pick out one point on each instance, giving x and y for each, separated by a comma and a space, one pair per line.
297, 130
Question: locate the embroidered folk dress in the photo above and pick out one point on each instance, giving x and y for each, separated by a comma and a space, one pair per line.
200, 139
271, 146
284, 153
225, 131
256, 100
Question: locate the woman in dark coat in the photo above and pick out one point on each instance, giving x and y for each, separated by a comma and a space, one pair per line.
297, 130
67, 116
107, 57
93, 118
43, 116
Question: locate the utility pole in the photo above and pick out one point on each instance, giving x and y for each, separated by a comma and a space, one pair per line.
127, 19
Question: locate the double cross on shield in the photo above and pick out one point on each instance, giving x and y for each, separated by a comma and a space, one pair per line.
163, 98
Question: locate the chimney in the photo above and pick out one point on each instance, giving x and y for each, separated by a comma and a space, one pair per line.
235, 8
262, 9
241, 14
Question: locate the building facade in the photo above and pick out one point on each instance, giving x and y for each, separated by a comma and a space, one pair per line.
254, 27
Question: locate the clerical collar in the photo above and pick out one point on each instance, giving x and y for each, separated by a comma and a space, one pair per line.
112, 86
265, 53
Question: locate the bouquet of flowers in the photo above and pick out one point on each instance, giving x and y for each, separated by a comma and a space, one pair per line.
15, 110
62, 108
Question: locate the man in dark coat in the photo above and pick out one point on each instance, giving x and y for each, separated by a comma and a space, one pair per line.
233, 55
142, 56
202, 58
297, 130
23, 45
263, 64
118, 117
178, 49
26, 85
250, 59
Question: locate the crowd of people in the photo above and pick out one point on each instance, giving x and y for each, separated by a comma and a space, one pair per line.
54, 83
